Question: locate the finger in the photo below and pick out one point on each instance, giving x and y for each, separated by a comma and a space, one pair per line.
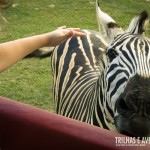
62, 27
75, 33
81, 34
74, 29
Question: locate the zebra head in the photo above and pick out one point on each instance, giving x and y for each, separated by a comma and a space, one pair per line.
128, 73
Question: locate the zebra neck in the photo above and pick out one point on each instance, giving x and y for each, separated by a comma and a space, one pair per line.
103, 113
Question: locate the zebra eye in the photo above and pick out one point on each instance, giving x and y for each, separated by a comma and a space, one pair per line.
112, 54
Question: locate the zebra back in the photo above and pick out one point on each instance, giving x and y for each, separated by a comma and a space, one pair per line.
76, 66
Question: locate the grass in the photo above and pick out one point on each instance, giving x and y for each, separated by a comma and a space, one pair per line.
30, 80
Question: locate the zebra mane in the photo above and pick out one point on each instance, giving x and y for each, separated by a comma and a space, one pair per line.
139, 24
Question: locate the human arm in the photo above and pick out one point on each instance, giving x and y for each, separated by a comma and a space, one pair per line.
13, 51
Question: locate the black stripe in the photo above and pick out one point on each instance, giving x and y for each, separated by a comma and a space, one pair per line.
112, 67
120, 39
75, 88
113, 77
109, 109
129, 60
100, 116
131, 51
120, 82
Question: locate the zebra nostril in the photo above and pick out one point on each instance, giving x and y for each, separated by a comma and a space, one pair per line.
122, 106
129, 101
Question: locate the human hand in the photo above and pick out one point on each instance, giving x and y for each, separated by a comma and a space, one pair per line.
61, 34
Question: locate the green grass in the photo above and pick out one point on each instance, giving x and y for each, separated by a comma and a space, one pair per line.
30, 80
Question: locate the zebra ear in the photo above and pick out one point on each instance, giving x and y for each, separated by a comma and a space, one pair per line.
108, 28
139, 24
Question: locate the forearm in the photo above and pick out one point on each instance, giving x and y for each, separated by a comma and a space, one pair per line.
13, 51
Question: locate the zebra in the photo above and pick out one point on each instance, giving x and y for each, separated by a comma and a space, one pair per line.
104, 79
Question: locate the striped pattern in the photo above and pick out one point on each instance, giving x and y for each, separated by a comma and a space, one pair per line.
91, 73
135, 53
77, 67
87, 85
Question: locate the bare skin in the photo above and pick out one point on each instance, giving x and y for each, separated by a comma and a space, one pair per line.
13, 51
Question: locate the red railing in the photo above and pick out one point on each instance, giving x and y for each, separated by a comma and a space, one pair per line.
24, 127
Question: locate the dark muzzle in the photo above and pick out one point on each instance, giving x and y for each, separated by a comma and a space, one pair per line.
133, 114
